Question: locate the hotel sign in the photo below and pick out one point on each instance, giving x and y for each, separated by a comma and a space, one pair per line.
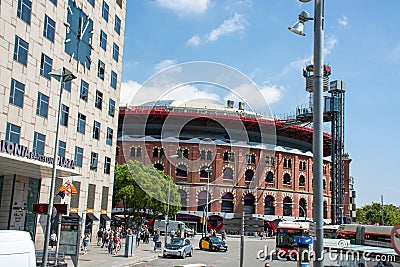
24, 152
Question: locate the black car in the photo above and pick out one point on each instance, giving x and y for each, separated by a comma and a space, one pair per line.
212, 243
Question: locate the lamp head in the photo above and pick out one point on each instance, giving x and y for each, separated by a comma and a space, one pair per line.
304, 1
297, 28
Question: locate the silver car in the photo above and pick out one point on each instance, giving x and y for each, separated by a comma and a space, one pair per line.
180, 247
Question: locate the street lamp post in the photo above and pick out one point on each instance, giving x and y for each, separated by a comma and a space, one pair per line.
169, 192
317, 120
204, 210
62, 75
208, 170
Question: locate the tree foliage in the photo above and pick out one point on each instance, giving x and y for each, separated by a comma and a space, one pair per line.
143, 188
371, 214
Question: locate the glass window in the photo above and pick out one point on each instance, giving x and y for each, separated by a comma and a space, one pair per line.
101, 69
96, 130
113, 82
107, 165
117, 25
103, 40
39, 140
94, 158
78, 156
111, 107
109, 136
91, 2
17, 91
42, 105
98, 103
119, 3
24, 10
62, 146
84, 90
46, 64
49, 28
67, 86
21, 50
54, 2
115, 52
81, 123
13, 133
105, 11
64, 115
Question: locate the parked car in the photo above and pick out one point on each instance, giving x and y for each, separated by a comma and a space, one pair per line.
180, 247
213, 244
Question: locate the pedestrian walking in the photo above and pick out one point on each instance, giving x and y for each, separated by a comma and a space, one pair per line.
117, 244
155, 240
100, 237
110, 243
53, 238
85, 243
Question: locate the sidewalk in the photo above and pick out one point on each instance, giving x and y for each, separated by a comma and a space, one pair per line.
99, 257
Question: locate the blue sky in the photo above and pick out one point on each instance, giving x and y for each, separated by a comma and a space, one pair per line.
362, 46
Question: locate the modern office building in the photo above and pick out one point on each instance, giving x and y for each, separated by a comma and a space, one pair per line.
85, 37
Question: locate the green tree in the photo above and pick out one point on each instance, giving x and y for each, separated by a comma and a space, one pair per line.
371, 214
143, 188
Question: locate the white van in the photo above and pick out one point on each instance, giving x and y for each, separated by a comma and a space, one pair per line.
16, 249
173, 225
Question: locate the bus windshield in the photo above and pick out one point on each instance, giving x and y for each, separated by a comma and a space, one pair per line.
285, 237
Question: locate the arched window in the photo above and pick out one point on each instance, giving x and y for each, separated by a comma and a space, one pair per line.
324, 184
249, 207
286, 179
204, 173
202, 201
227, 203
209, 155
302, 208
287, 206
269, 178
181, 171
159, 166
325, 210
269, 208
302, 180
248, 175
228, 173
139, 152
203, 154
155, 152
132, 152
183, 196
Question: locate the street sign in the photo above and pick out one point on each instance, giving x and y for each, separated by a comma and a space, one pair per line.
311, 229
395, 238
61, 208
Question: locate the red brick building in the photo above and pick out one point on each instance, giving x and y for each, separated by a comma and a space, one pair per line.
255, 164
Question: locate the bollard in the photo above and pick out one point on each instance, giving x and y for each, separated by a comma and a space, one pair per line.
130, 245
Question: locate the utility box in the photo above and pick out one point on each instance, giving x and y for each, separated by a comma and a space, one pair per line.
70, 237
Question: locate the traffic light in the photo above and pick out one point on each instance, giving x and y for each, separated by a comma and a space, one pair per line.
40, 208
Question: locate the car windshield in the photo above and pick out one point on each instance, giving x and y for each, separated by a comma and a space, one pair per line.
177, 241
215, 239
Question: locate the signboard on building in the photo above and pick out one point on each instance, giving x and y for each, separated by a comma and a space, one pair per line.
24, 152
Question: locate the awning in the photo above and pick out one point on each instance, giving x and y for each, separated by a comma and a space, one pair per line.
92, 217
105, 217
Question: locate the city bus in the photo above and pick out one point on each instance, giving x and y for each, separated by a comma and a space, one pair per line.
285, 233
330, 231
369, 235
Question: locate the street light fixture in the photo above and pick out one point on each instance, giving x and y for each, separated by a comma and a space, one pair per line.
204, 210
62, 75
298, 26
318, 128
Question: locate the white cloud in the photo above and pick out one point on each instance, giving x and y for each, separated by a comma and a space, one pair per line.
164, 64
190, 93
185, 6
330, 44
194, 41
236, 24
128, 90
257, 101
343, 21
